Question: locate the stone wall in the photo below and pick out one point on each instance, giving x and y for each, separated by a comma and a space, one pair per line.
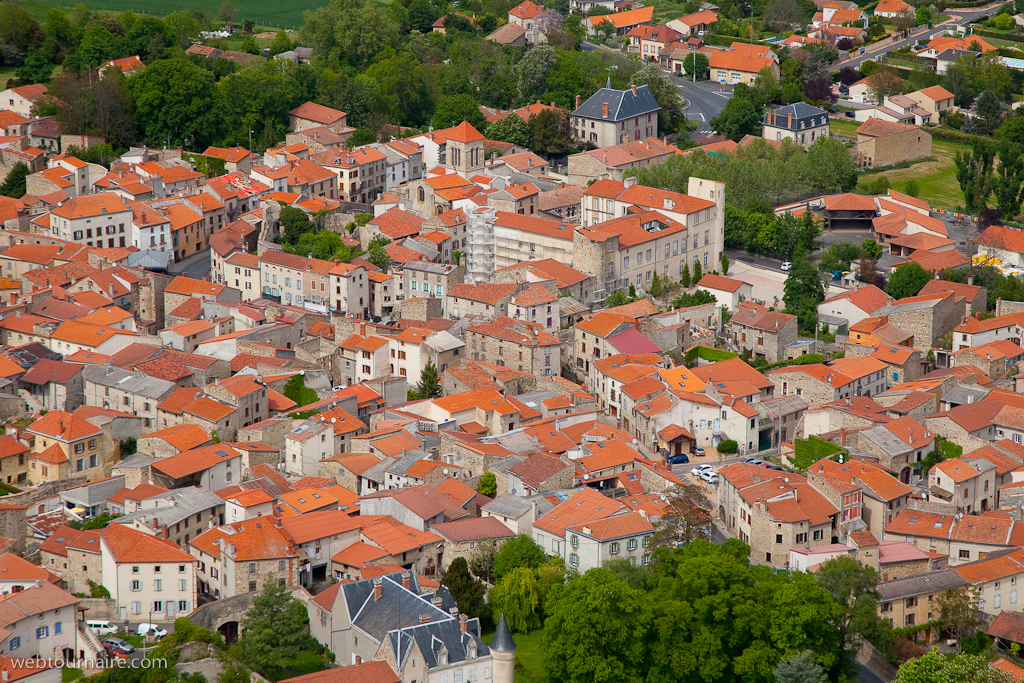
100, 608
1004, 307
896, 148
82, 568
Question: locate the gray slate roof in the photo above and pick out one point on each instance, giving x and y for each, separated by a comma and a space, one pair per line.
932, 582
802, 113
173, 507
502, 641
622, 104
964, 393
128, 381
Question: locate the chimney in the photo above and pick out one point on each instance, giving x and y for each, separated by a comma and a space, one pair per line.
633, 88
165, 533
538, 103
529, 162
377, 587
627, 139
405, 580
436, 601
553, 105
111, 290
463, 622
577, 101
454, 611
604, 110
424, 618
821, 468
359, 660
790, 120
970, 279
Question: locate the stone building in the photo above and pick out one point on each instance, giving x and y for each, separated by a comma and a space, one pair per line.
765, 333
463, 535
516, 344
911, 601
800, 122
240, 558
885, 143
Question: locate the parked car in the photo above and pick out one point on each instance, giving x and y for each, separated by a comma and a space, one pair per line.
700, 469
699, 452
851, 114
151, 630
709, 477
118, 645
678, 458
786, 265
101, 627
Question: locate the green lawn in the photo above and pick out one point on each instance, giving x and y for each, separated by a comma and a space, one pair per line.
528, 654
69, 674
936, 177
305, 663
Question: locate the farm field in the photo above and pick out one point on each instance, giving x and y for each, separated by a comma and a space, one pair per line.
266, 13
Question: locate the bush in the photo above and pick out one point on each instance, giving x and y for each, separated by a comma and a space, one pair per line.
728, 446
98, 590
808, 451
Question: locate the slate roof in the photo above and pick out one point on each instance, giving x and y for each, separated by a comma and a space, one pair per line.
932, 582
622, 104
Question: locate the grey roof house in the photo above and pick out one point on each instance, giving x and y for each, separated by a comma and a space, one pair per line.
610, 117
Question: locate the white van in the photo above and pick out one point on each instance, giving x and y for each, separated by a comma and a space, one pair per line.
151, 630
101, 627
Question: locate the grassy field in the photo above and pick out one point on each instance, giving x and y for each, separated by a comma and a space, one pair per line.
528, 654
935, 177
266, 13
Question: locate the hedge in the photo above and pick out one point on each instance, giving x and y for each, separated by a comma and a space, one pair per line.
1012, 37
728, 446
708, 353
953, 135
808, 451
726, 41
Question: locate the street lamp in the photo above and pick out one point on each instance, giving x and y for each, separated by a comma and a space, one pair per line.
250, 139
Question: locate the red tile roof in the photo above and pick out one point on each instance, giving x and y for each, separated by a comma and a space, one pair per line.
127, 545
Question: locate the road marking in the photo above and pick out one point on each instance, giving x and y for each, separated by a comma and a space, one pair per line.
702, 117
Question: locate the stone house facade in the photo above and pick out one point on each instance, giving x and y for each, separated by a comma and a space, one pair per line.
885, 143
765, 333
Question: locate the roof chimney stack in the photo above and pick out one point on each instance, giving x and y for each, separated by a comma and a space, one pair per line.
463, 622
377, 587
604, 110
424, 618
405, 580
633, 88
577, 101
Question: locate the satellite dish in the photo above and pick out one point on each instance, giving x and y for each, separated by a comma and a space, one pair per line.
787, 480
513, 492
444, 471
302, 372
634, 442
586, 477
333, 420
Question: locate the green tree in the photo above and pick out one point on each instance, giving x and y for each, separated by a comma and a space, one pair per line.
684, 277
739, 117
510, 128
517, 596
725, 264
829, 165
377, 254
935, 667
853, 585
1008, 178
548, 131
422, 16
597, 630
274, 630
958, 610
871, 249
228, 12
488, 484
294, 223
803, 290
249, 45
128, 446
518, 551
403, 86
907, 280
974, 173
800, 668
696, 62
698, 298
686, 516
467, 591
532, 71
912, 188
281, 43
14, 184
698, 272
429, 385
36, 68
923, 14
176, 100
454, 109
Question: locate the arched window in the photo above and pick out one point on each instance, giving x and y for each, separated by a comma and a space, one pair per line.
422, 195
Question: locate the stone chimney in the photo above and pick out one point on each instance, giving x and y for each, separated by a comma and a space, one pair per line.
424, 618
627, 139
463, 622
633, 88
604, 110
577, 101
377, 587
359, 660
405, 580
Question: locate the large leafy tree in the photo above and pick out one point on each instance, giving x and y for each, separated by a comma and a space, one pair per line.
518, 551
510, 128
517, 596
532, 71
853, 585
274, 630
454, 109
549, 131
935, 667
686, 517
803, 290
377, 254
597, 631
958, 610
974, 173
907, 280
739, 117
1006, 183
14, 183
830, 166
176, 100
696, 65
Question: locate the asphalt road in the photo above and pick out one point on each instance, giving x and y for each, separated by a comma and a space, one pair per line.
196, 266
705, 100
965, 18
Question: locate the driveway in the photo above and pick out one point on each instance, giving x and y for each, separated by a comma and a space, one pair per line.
704, 101
196, 266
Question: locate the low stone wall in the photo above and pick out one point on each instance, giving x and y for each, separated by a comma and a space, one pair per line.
100, 608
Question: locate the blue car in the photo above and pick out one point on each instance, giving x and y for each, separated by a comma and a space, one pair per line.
679, 459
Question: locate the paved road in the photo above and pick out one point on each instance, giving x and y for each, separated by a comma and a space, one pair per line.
705, 100
965, 18
195, 266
